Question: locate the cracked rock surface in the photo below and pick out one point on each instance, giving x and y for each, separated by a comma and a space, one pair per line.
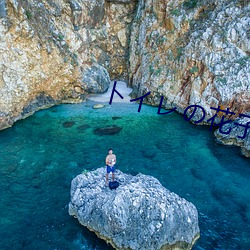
139, 214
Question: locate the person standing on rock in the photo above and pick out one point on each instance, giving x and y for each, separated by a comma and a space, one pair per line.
110, 164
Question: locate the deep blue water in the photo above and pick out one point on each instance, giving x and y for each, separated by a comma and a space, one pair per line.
39, 156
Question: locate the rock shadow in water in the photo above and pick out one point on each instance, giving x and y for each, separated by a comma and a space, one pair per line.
108, 130
116, 118
34, 123
165, 146
242, 211
229, 199
148, 153
82, 128
53, 110
219, 194
68, 124
150, 166
197, 173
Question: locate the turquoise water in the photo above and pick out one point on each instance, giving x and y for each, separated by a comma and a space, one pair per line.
39, 156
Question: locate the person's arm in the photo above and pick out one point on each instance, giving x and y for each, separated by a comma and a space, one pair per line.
107, 160
113, 160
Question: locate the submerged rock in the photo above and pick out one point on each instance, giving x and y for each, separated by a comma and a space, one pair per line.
109, 130
114, 118
82, 128
68, 124
140, 214
148, 153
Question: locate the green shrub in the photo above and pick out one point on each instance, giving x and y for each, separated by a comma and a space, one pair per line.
190, 4
222, 80
60, 37
151, 69
28, 14
194, 69
161, 40
243, 60
175, 12
74, 63
158, 71
179, 53
74, 60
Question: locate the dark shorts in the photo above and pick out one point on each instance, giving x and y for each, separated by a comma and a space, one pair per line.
110, 169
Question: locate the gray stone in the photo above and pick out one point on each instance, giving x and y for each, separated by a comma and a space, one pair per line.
98, 106
41, 101
139, 214
2, 8
235, 131
74, 5
95, 79
121, 1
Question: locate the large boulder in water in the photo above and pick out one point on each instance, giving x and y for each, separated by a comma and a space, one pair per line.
139, 214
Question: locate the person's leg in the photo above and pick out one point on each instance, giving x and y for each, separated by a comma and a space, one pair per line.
107, 175
113, 173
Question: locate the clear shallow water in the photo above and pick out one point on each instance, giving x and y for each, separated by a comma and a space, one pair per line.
40, 155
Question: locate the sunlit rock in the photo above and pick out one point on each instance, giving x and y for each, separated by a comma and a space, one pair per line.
139, 214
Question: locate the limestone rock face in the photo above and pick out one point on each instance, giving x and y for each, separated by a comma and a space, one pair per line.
139, 214
192, 52
59, 51
121, 1
95, 79
29, 66
236, 132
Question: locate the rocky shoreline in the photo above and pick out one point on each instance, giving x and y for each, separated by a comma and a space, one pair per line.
236, 132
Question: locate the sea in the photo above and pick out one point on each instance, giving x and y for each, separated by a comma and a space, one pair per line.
40, 155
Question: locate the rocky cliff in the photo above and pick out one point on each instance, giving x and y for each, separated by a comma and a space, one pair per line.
189, 51
59, 51
193, 53
140, 214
